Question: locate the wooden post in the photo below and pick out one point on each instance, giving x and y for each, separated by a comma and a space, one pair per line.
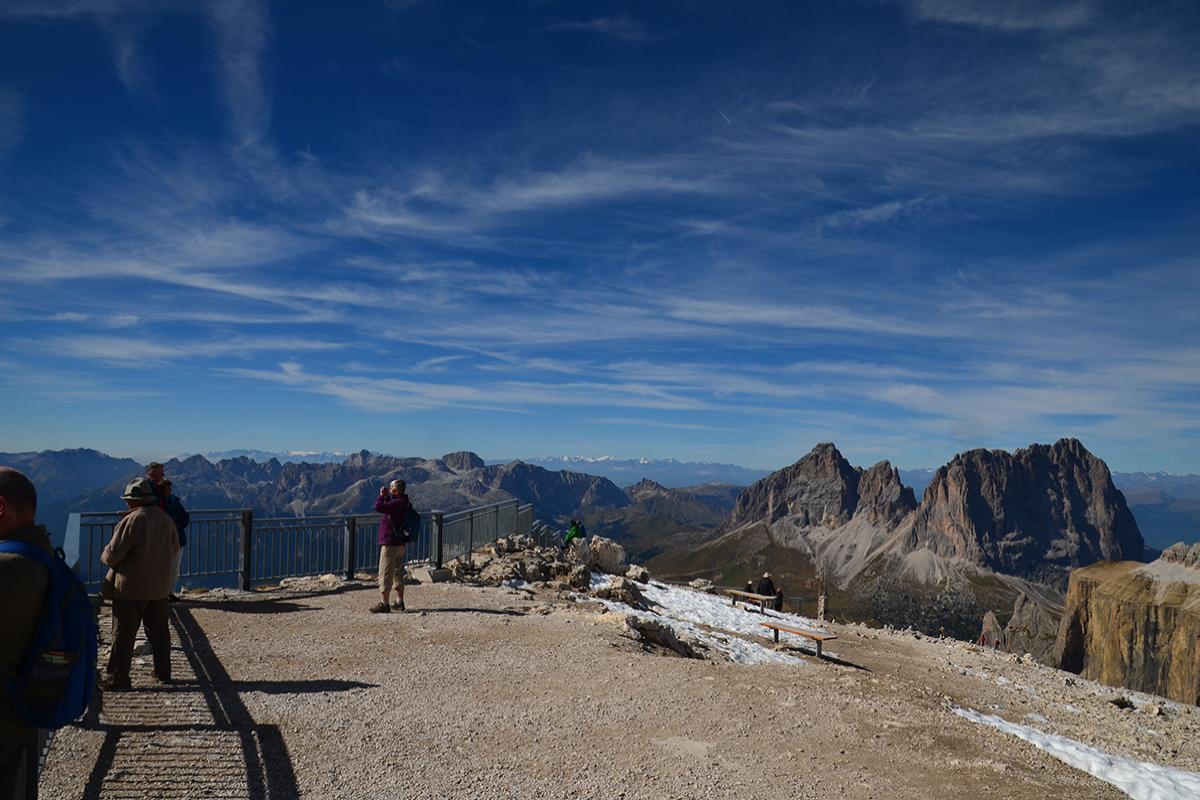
247, 549
351, 546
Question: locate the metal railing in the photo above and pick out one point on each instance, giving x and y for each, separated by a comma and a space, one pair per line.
234, 548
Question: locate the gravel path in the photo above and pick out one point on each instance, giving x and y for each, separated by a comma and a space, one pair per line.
496, 693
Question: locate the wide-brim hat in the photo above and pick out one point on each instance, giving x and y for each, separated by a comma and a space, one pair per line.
140, 490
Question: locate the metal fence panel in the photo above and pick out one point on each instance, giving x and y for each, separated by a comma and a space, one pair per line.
285, 547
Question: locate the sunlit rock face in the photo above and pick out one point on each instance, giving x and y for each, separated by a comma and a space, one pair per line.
1037, 513
1136, 625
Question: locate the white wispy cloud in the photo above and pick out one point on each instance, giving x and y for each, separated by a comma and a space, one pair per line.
1010, 15
12, 120
242, 31
131, 350
622, 26
402, 395
641, 422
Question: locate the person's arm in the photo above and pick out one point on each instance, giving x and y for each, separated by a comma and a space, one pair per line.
119, 546
185, 518
391, 506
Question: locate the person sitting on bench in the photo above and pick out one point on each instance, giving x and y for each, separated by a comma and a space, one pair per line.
767, 586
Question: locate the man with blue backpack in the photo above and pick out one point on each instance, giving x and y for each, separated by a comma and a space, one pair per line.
47, 637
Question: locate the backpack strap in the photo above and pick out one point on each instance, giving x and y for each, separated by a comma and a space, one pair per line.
28, 551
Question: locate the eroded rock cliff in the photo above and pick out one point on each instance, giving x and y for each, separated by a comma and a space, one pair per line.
1136, 625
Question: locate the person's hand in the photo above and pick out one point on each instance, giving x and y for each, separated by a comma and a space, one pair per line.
383, 490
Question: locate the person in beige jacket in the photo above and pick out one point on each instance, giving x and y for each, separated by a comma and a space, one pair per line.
141, 556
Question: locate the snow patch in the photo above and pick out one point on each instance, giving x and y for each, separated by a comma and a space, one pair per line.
686, 610
1141, 780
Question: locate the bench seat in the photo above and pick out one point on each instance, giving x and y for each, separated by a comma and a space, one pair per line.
816, 636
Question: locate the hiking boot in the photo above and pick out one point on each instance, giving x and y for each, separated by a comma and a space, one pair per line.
398, 605
110, 685
380, 608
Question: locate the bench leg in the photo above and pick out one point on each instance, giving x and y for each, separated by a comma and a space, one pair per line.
818, 648
776, 631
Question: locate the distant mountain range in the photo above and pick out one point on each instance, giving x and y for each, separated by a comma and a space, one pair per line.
1167, 506
667, 472
283, 456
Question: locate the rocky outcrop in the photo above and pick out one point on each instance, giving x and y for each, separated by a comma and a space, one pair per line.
1037, 513
1136, 625
824, 490
462, 461
882, 499
1032, 629
553, 494
608, 556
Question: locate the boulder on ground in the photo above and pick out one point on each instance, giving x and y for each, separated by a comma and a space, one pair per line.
703, 585
580, 577
432, 574
637, 573
622, 590
579, 552
656, 634
608, 556
498, 572
535, 570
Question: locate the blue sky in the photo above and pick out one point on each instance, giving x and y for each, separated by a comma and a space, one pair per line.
703, 230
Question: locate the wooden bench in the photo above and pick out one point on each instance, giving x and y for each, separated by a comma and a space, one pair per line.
761, 599
814, 635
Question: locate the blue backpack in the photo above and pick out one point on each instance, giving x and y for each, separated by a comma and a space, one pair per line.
56, 679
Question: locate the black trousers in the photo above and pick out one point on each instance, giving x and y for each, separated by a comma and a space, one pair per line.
18, 769
128, 616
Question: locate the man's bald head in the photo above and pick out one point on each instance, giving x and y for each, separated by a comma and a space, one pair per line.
18, 500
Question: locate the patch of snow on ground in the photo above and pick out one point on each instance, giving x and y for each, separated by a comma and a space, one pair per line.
675, 605
1141, 780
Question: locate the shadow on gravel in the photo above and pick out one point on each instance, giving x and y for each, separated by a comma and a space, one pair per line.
500, 612
841, 662
167, 749
265, 606
266, 687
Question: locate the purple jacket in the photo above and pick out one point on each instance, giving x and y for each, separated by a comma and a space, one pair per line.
391, 523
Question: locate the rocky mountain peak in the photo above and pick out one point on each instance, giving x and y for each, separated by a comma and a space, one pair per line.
882, 498
462, 461
647, 488
1038, 512
820, 489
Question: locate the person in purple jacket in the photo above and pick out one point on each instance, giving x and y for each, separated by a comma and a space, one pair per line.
392, 504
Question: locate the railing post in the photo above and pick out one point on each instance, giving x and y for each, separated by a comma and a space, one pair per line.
470, 541
498, 533
247, 548
351, 545
438, 516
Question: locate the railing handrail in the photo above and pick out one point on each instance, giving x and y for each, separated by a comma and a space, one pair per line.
230, 511
232, 542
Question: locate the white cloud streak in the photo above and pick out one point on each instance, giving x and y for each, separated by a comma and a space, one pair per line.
242, 31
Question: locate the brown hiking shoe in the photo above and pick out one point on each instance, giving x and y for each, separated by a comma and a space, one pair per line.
380, 608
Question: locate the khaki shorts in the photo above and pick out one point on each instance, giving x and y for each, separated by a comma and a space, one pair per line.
391, 567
